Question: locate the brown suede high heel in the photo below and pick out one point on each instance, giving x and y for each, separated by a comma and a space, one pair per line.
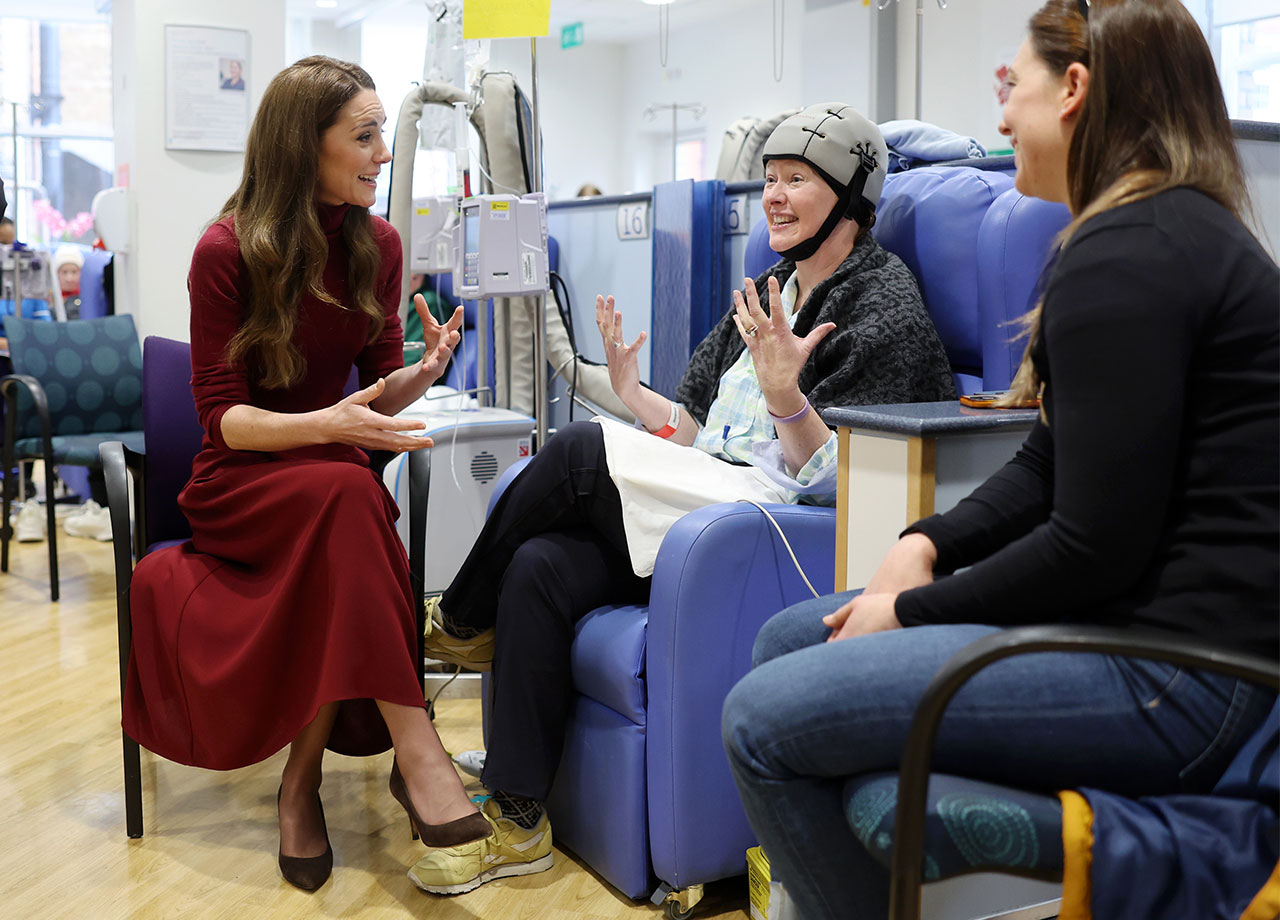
450, 834
306, 872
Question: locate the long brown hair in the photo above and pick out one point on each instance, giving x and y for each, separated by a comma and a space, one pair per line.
276, 221
1153, 117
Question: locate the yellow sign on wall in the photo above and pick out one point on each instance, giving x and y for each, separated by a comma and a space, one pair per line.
505, 18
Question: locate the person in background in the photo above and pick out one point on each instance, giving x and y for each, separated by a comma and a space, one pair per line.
288, 619
8, 232
838, 320
589, 191
68, 262
1147, 496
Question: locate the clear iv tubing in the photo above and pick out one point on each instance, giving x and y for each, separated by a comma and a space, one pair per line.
461, 150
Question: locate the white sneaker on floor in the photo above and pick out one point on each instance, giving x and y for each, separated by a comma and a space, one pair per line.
470, 762
76, 511
30, 526
93, 522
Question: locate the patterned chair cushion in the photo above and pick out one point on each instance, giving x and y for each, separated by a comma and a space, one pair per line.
970, 826
91, 372
77, 449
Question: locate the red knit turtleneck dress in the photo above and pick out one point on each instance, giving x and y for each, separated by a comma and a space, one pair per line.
294, 590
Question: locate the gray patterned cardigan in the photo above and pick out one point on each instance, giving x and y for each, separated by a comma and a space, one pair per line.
884, 348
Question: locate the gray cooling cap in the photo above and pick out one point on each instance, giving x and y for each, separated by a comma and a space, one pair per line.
838, 141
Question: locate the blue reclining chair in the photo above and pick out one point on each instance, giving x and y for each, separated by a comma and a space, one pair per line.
644, 794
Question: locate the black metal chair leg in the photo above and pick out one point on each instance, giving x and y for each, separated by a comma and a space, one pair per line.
50, 509
115, 465
419, 463
6, 530
132, 787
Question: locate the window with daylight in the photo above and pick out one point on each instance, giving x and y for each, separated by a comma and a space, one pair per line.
55, 87
1244, 36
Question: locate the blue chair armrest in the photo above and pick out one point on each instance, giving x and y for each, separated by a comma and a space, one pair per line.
721, 572
504, 480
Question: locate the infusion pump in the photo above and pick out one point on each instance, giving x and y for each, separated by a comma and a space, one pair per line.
495, 245
431, 234
500, 246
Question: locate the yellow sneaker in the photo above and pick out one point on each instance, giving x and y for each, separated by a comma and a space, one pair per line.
475, 653
511, 850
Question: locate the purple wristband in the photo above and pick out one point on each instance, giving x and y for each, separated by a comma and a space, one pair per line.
777, 420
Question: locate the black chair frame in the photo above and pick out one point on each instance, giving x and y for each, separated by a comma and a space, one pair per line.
119, 463
913, 776
9, 385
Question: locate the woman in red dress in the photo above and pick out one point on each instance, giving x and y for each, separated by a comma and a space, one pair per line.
288, 618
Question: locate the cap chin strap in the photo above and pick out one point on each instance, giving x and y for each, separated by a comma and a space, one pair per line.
802, 251
849, 203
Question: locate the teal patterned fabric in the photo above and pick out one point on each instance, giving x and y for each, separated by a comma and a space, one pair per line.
970, 826
91, 373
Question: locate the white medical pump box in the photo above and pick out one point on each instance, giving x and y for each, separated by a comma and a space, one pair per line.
473, 447
431, 234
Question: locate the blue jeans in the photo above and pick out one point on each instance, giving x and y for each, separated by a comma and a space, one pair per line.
811, 714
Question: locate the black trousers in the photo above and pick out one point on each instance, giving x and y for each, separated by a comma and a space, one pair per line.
552, 551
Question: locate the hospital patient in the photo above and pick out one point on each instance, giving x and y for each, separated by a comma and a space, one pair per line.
837, 321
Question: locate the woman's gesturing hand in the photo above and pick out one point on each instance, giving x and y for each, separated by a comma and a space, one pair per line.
624, 365
440, 340
353, 422
778, 353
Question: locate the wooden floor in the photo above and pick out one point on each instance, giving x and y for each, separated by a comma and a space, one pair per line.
210, 844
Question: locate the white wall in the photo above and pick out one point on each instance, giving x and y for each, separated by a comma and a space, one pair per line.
836, 59
593, 97
580, 93
963, 46
175, 192
725, 65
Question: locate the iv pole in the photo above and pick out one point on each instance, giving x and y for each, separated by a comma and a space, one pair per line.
540, 403
942, 5
651, 112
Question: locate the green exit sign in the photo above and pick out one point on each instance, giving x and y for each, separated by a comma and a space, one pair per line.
571, 35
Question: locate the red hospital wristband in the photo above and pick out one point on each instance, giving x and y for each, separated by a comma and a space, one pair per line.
672, 424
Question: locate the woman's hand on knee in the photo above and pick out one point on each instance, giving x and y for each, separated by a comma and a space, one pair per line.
353, 422
908, 564
862, 615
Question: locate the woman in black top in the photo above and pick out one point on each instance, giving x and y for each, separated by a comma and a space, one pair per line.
1147, 495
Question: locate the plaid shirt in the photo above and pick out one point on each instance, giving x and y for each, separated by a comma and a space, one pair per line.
738, 418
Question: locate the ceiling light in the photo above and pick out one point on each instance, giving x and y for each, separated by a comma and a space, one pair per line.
326, 4
658, 2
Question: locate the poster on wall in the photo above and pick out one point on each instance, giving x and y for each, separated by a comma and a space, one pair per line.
206, 97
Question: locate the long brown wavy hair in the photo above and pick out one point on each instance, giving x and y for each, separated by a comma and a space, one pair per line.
276, 220
1153, 117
